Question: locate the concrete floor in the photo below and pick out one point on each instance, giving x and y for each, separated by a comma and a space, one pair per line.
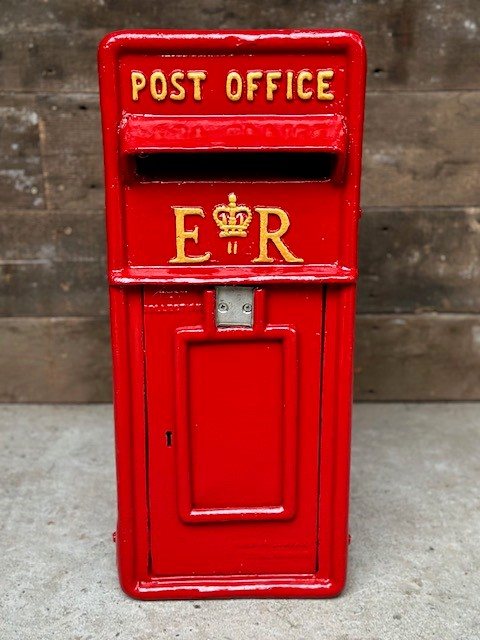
414, 557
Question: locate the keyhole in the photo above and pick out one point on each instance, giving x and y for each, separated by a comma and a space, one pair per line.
168, 438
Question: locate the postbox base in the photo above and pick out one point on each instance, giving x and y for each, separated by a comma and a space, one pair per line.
293, 586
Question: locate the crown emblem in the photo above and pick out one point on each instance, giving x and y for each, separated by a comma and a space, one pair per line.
233, 221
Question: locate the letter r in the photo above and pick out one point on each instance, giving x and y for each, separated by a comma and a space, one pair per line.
273, 236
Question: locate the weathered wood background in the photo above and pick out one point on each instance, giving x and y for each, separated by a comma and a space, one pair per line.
419, 301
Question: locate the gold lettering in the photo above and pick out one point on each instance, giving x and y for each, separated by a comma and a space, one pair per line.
294, 84
302, 93
176, 76
138, 83
154, 78
252, 86
274, 236
271, 84
233, 76
197, 77
182, 234
322, 86
289, 85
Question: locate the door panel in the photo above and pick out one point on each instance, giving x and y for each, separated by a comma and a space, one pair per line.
233, 421
236, 419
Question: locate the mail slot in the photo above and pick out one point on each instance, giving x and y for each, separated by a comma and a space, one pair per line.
232, 171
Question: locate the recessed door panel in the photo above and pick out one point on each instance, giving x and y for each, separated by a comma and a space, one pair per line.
236, 422
233, 422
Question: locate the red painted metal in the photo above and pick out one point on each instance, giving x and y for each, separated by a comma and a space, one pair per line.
307, 133
232, 443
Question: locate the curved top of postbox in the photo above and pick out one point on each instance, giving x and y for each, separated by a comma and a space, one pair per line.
225, 41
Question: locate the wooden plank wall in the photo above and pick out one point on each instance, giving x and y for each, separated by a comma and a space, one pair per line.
419, 299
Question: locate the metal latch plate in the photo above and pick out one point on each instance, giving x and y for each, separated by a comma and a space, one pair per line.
234, 306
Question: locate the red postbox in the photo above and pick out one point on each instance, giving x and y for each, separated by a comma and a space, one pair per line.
232, 164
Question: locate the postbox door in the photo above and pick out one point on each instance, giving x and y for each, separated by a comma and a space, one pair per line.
233, 432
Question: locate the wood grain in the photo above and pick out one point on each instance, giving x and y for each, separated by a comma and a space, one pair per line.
411, 260
55, 360
411, 45
408, 357
418, 329
417, 357
21, 175
414, 260
52, 264
418, 151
